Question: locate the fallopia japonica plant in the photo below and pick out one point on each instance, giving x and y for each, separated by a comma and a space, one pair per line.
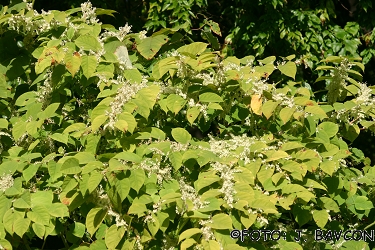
95, 148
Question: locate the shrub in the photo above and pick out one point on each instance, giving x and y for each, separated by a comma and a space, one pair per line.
100, 144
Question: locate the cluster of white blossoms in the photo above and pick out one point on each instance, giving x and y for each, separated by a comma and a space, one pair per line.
285, 100
189, 193
206, 230
153, 166
259, 85
6, 181
44, 92
125, 92
338, 82
365, 95
119, 221
226, 148
119, 34
227, 175
88, 13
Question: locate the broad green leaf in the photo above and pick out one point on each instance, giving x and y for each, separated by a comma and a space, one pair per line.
88, 42
63, 138
137, 178
98, 121
268, 60
268, 108
320, 217
78, 229
293, 188
58, 210
176, 159
330, 204
70, 166
3, 123
94, 181
193, 49
39, 230
210, 97
192, 114
153, 226
149, 46
121, 125
188, 233
130, 120
133, 75
113, 236
288, 69
26, 98
328, 167
137, 208
175, 103
316, 110
94, 219
181, 135
30, 171
128, 156
221, 221
39, 214
24, 201
329, 127
88, 64
43, 198
21, 225
72, 62
286, 113
362, 203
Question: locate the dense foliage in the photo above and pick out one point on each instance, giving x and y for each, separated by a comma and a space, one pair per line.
119, 140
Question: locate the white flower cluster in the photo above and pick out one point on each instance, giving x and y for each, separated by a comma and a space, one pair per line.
365, 95
202, 107
119, 34
88, 13
153, 166
124, 93
6, 181
119, 221
142, 34
285, 100
34, 24
338, 82
208, 78
226, 174
189, 193
45, 90
206, 230
178, 147
259, 85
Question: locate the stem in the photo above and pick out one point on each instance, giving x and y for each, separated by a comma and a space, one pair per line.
26, 243
44, 242
64, 241
368, 226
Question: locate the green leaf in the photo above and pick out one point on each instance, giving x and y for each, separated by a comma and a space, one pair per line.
98, 121
328, 167
70, 166
362, 203
30, 171
137, 208
72, 62
188, 233
21, 225
176, 159
128, 156
137, 178
63, 138
94, 219
153, 226
133, 75
210, 97
113, 236
320, 217
329, 127
316, 110
88, 65
130, 120
39, 214
3, 123
39, 230
288, 69
94, 181
175, 103
149, 46
221, 221
58, 210
193, 49
78, 229
26, 99
88, 42
181, 135
192, 114
286, 113
24, 201
268, 108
